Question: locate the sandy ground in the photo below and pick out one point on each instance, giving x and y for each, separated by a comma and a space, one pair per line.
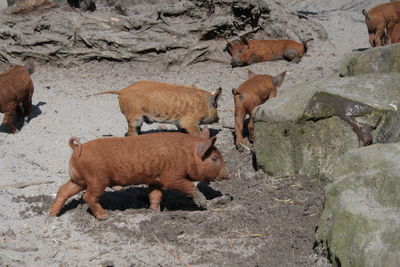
269, 222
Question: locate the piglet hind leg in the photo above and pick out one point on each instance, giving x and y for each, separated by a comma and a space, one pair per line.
27, 106
190, 126
134, 125
239, 118
92, 197
155, 196
250, 127
8, 122
291, 55
64, 193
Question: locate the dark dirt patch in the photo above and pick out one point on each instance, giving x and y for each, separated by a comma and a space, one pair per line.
37, 205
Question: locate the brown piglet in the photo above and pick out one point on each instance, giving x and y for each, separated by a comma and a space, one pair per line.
161, 160
246, 52
16, 90
250, 94
395, 37
184, 106
380, 22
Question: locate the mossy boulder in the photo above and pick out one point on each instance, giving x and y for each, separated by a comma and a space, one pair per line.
306, 128
381, 59
360, 224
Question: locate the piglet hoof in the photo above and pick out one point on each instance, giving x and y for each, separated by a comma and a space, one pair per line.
200, 201
155, 208
296, 60
12, 131
219, 201
53, 213
162, 128
243, 147
117, 188
102, 217
240, 148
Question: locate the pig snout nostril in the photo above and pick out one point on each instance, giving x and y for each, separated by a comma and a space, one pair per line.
234, 62
230, 175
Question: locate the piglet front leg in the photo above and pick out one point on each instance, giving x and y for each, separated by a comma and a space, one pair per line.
188, 188
199, 198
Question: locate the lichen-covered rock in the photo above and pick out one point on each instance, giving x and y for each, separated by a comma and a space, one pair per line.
360, 224
374, 60
307, 127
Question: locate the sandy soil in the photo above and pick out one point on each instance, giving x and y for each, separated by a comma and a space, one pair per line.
269, 222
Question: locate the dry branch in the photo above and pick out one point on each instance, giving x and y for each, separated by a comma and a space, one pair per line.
272, 186
248, 235
23, 185
170, 252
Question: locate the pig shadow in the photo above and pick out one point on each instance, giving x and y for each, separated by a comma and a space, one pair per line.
159, 131
254, 161
174, 200
213, 132
36, 111
138, 198
19, 120
361, 49
307, 13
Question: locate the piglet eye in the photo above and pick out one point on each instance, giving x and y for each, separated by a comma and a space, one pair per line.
240, 51
214, 159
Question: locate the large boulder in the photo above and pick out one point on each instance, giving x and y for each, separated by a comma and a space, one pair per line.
374, 60
306, 128
360, 224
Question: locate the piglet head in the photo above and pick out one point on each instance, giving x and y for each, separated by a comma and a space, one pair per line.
209, 161
239, 51
212, 105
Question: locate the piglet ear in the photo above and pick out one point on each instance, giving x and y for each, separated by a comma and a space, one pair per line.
278, 80
244, 41
204, 147
228, 47
365, 13
251, 74
205, 133
213, 99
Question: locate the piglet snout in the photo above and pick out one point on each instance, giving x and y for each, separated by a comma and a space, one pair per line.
236, 62
226, 175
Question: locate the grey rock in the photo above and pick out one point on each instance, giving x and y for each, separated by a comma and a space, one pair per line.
306, 128
381, 59
360, 224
